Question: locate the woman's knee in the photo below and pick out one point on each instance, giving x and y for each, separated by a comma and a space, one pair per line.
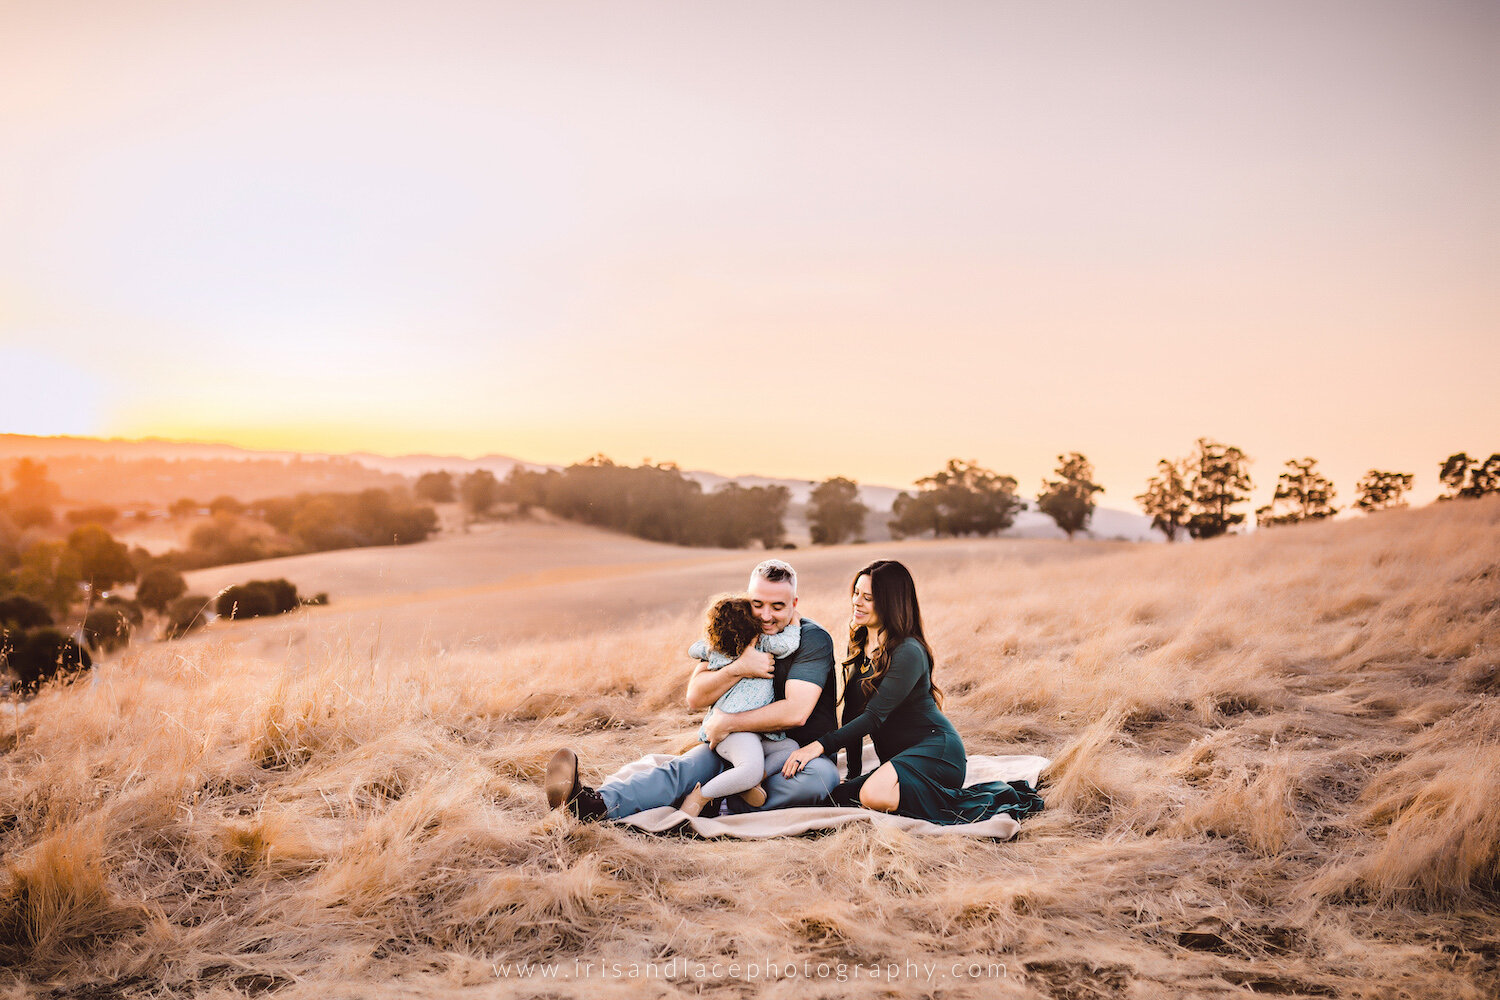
880, 792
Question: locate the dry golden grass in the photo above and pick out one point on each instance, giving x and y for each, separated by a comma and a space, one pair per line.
1275, 765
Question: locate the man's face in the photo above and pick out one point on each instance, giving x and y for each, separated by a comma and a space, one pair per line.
775, 604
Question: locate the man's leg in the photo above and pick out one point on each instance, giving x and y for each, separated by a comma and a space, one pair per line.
666, 785
808, 787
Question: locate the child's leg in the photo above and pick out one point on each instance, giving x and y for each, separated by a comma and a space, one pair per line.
748, 765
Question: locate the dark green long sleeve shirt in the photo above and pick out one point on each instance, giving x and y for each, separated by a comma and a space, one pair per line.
898, 714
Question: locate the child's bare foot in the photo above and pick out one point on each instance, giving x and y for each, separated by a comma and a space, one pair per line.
695, 801
754, 797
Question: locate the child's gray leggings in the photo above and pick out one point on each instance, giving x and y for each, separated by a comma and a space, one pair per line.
747, 753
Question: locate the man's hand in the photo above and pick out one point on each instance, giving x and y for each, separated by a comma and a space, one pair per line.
753, 663
716, 727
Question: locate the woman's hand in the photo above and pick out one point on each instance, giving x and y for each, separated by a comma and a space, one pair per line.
800, 758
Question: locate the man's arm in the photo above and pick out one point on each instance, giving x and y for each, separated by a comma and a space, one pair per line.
707, 686
788, 713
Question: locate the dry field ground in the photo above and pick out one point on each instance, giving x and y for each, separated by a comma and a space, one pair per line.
1275, 766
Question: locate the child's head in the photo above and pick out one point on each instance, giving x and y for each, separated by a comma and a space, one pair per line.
732, 626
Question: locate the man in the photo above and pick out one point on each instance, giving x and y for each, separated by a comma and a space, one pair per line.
803, 707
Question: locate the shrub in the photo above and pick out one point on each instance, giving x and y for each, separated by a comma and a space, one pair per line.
257, 599
23, 612
39, 655
106, 628
184, 615
159, 587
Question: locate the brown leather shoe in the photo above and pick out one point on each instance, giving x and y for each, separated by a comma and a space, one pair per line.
562, 778
754, 797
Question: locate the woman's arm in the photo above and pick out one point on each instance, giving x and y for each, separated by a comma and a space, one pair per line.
908, 668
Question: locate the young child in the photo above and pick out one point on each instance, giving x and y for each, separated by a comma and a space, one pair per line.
731, 629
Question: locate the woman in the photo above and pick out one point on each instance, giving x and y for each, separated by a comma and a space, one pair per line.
889, 695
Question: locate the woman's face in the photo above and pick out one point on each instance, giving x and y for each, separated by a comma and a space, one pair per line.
862, 601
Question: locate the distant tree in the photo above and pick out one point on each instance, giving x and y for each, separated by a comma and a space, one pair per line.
33, 516
102, 562
131, 609
160, 586
186, 614
1382, 490
31, 487
435, 486
185, 507
225, 505
1302, 494
101, 515
49, 574
1221, 479
835, 512
106, 629
1167, 498
733, 516
527, 488
36, 656
480, 491
961, 499
1468, 478
1069, 500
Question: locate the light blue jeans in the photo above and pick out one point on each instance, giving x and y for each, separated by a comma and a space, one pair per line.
669, 784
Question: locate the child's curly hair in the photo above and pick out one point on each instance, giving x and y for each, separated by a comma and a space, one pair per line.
732, 626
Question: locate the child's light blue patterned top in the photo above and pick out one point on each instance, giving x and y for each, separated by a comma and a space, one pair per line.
748, 692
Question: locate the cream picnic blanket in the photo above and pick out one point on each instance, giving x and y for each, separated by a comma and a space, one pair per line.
800, 819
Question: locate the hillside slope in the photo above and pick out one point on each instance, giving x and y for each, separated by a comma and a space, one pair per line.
1275, 759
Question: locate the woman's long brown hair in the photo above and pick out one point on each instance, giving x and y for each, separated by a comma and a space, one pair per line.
900, 618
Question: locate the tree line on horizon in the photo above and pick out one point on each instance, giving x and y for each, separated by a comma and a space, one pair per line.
1197, 496
656, 502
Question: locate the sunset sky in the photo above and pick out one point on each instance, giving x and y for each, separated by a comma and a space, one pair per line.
789, 239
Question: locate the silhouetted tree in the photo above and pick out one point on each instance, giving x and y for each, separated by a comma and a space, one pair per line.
101, 515
435, 486
1302, 494
226, 505
184, 507
1167, 498
1382, 490
1221, 480
527, 489
106, 628
1069, 501
1466, 477
961, 499
835, 512
160, 586
102, 562
480, 491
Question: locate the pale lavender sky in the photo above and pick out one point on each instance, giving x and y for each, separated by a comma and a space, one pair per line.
786, 239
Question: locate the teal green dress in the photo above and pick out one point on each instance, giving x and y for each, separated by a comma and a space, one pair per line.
912, 734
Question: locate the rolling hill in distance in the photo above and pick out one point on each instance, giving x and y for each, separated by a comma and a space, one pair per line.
91, 483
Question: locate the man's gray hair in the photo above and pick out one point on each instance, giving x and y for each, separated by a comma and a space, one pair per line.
775, 571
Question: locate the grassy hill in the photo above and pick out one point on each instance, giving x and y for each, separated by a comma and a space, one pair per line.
1275, 760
